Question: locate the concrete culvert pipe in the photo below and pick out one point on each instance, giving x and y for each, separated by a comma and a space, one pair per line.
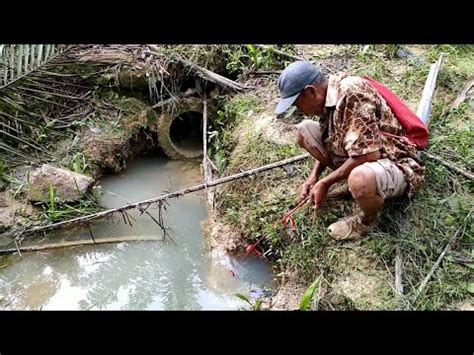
180, 132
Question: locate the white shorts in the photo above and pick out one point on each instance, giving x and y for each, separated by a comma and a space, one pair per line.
390, 178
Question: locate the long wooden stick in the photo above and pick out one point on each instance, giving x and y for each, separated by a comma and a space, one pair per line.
178, 193
449, 165
71, 243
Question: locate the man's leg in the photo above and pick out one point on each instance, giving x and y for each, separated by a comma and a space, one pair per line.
370, 184
312, 149
363, 187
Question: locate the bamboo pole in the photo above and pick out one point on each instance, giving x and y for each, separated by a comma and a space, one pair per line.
424, 108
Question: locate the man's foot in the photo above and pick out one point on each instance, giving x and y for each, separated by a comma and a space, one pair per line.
349, 228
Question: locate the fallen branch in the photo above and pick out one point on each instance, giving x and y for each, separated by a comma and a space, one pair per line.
167, 196
463, 93
449, 165
441, 257
213, 77
128, 238
205, 73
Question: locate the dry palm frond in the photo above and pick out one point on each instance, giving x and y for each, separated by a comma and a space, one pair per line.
32, 97
19, 60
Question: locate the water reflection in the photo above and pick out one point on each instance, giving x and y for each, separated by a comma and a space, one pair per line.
135, 275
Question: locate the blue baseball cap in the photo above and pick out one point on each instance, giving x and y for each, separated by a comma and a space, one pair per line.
293, 80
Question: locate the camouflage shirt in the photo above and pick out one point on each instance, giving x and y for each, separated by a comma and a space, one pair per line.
355, 113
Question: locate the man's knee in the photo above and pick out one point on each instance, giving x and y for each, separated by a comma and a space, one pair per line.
362, 182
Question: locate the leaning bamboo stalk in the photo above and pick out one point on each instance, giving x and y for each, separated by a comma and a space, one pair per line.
167, 196
424, 108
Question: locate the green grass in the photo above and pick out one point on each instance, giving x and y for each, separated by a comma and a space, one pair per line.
52, 212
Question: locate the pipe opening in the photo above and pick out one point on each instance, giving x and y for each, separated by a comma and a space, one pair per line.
186, 132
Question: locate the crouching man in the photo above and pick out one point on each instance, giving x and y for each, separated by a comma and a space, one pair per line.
348, 140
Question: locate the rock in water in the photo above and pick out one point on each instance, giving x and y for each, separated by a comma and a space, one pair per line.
68, 185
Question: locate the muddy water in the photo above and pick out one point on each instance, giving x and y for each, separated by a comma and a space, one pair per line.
142, 275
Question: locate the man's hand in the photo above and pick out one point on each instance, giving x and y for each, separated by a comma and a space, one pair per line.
306, 188
318, 193
311, 180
